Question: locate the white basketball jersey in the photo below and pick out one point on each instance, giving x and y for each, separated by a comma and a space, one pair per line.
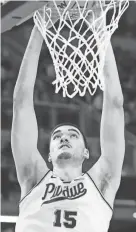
57, 206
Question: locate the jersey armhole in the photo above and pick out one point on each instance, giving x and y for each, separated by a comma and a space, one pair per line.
99, 191
34, 187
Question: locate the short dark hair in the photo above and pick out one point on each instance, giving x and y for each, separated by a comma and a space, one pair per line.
70, 124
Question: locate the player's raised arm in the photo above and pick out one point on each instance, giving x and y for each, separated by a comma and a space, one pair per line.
107, 171
112, 122
30, 165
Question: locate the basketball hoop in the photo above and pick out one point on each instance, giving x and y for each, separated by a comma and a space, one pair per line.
77, 58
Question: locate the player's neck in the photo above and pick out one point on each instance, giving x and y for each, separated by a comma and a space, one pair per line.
67, 173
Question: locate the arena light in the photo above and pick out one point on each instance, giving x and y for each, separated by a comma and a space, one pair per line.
134, 215
8, 219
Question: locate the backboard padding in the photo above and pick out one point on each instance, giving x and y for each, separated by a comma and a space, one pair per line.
14, 13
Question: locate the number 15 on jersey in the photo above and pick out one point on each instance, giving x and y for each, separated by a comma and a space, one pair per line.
65, 218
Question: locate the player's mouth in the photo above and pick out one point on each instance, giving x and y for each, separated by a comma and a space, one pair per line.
65, 145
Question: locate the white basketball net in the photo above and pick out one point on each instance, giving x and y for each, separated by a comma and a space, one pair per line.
79, 58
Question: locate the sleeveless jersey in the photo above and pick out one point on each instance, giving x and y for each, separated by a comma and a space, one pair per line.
57, 206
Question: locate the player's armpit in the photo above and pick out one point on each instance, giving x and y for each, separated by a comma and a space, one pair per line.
33, 174
101, 176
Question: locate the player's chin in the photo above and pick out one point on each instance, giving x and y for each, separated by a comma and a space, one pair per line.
64, 156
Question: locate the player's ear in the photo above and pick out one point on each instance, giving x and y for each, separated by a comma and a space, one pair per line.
49, 158
86, 153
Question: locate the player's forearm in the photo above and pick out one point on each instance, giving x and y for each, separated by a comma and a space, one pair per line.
113, 91
28, 70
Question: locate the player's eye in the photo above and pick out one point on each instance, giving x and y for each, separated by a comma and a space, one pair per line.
56, 137
73, 136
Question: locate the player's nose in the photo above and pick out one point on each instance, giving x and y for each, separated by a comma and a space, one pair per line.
64, 138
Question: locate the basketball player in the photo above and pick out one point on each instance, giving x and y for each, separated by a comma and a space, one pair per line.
66, 199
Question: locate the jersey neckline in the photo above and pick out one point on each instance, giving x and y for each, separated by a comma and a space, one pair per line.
77, 178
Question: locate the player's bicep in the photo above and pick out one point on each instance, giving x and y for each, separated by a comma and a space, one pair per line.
24, 130
24, 134
24, 137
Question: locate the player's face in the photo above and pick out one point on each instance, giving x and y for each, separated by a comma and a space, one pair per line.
67, 145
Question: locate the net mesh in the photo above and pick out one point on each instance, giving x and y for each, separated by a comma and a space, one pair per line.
78, 42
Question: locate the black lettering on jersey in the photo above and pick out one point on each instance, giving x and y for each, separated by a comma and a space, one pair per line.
56, 193
81, 187
49, 189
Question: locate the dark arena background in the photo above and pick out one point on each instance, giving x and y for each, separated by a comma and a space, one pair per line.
85, 112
